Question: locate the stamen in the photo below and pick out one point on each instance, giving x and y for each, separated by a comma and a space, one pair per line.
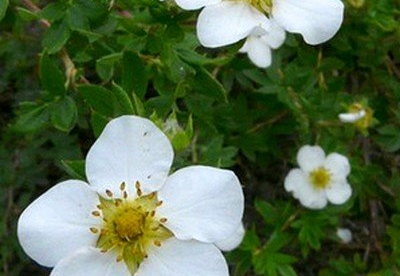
120, 258
96, 213
125, 195
159, 203
138, 190
122, 186
94, 230
109, 193
157, 243
163, 220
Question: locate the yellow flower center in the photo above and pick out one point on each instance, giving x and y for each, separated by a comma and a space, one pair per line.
262, 5
130, 226
320, 178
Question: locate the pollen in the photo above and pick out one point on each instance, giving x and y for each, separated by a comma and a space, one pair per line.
130, 226
320, 178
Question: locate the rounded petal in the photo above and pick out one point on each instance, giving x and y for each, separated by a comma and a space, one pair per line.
310, 157
228, 22
344, 234
297, 183
90, 261
258, 51
338, 165
129, 149
177, 258
58, 222
338, 192
195, 4
275, 36
202, 203
233, 241
352, 117
316, 20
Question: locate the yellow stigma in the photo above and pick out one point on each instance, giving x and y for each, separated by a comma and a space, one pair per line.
130, 226
262, 5
320, 178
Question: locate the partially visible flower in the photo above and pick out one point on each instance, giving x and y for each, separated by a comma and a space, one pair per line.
258, 44
344, 234
360, 115
223, 22
320, 178
134, 219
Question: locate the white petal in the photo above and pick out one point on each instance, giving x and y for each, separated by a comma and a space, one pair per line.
258, 51
233, 241
316, 20
344, 235
178, 258
129, 149
90, 261
297, 182
352, 117
310, 157
228, 22
195, 4
338, 165
338, 192
275, 36
58, 222
202, 203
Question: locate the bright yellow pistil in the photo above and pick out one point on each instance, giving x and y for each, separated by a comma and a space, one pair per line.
262, 5
130, 226
320, 178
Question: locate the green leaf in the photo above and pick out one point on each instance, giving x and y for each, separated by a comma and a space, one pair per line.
3, 8
64, 114
56, 37
32, 117
25, 14
75, 168
123, 100
53, 80
98, 122
105, 65
205, 83
99, 98
134, 76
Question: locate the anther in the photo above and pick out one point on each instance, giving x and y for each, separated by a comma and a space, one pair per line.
159, 203
125, 195
138, 190
163, 220
103, 251
153, 213
99, 206
94, 230
157, 243
119, 258
152, 195
96, 213
122, 186
109, 193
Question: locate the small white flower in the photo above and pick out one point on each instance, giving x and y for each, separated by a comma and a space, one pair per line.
223, 22
258, 45
352, 117
344, 235
134, 219
320, 178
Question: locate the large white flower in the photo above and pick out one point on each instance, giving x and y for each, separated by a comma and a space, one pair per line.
320, 178
134, 219
223, 22
259, 43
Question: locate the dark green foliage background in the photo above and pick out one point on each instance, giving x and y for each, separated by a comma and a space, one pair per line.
68, 67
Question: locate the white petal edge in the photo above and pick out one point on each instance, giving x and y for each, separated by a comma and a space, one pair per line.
275, 36
352, 117
228, 22
258, 51
338, 192
233, 241
89, 261
338, 165
195, 4
310, 157
316, 20
129, 149
58, 222
178, 258
297, 182
202, 203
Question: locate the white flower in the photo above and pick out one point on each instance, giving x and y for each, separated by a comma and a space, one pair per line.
320, 178
344, 235
223, 22
233, 240
134, 219
258, 45
352, 117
